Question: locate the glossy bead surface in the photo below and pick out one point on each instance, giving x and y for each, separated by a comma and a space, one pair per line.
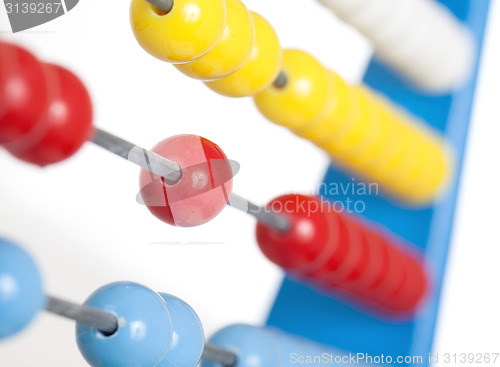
393, 277
144, 334
188, 339
232, 50
339, 108
304, 97
68, 122
21, 292
202, 192
186, 33
414, 290
253, 346
373, 268
23, 93
307, 238
260, 69
339, 266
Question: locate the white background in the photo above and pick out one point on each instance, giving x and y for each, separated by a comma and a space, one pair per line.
81, 222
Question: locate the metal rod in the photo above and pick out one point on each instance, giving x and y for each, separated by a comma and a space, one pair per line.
144, 158
263, 215
280, 80
163, 5
214, 354
106, 322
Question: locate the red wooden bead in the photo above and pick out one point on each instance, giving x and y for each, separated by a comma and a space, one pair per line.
346, 261
307, 238
335, 252
23, 93
414, 290
394, 275
374, 268
68, 121
202, 192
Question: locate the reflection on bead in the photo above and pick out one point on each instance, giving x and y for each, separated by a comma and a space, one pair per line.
204, 189
144, 333
232, 50
260, 69
21, 293
186, 33
304, 97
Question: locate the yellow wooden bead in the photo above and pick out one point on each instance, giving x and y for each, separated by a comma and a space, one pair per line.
232, 50
393, 151
376, 135
361, 156
410, 182
414, 156
434, 176
348, 138
260, 69
302, 99
187, 32
341, 107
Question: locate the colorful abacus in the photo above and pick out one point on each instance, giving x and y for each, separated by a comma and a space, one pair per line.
357, 128
186, 181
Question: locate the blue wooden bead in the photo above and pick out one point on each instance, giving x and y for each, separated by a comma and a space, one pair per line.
21, 292
188, 335
144, 333
253, 346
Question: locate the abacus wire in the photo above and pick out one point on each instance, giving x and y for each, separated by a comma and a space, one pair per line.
172, 173
263, 215
212, 353
107, 323
144, 158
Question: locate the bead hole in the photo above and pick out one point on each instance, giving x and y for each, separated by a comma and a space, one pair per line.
281, 80
108, 334
163, 12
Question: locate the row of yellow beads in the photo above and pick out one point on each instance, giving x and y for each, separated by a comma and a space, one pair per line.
361, 130
237, 53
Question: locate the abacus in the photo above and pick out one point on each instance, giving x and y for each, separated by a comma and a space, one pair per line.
340, 266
